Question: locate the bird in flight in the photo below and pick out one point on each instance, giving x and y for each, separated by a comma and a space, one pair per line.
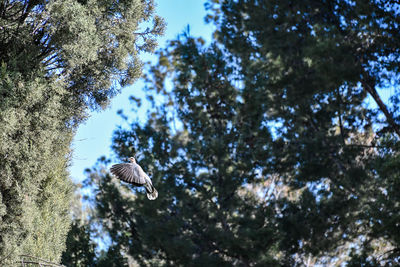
132, 173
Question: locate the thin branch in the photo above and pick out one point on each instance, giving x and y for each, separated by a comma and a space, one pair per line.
40, 261
340, 116
338, 145
53, 68
372, 91
337, 162
50, 60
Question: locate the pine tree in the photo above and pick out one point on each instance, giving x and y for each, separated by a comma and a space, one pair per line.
205, 215
317, 65
80, 249
35, 187
57, 60
267, 150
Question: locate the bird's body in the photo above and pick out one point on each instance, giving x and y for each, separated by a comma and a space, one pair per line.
132, 173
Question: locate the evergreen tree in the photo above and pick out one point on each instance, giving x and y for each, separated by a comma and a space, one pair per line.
205, 215
57, 59
80, 247
273, 146
34, 151
80, 251
317, 65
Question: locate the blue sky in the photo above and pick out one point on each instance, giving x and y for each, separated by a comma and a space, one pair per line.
93, 138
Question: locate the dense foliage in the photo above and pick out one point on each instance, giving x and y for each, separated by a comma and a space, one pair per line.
273, 145
205, 215
57, 59
318, 66
80, 251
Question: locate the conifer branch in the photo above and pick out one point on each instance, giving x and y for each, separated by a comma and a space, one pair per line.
372, 91
38, 261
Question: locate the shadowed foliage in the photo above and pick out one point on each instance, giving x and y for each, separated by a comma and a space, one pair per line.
276, 144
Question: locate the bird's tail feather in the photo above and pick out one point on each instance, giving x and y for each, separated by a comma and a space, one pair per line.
151, 192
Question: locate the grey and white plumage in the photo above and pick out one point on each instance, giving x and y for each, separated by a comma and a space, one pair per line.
132, 173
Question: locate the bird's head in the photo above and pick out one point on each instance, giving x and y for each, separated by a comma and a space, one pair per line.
132, 160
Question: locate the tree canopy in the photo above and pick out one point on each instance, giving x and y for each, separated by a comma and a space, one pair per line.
273, 147
57, 60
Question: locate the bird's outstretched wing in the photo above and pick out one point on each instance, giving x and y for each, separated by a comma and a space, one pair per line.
128, 172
